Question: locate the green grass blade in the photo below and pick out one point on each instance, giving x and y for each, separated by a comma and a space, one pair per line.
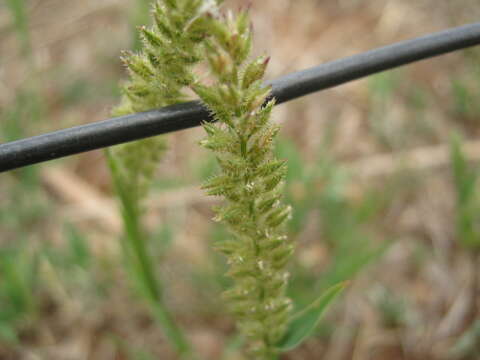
78, 245
303, 323
18, 10
8, 333
465, 180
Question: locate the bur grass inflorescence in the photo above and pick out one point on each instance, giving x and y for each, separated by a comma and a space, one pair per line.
160, 74
187, 33
250, 181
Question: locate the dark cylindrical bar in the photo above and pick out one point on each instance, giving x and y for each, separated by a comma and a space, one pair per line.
341, 71
182, 116
100, 134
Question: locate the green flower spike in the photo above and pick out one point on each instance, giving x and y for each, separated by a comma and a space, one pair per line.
159, 76
250, 181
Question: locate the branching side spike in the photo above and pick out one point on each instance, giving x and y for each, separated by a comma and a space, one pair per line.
159, 76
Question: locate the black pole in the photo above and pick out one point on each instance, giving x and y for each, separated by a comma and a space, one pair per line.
122, 129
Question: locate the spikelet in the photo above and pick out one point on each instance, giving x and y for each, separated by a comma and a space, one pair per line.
250, 181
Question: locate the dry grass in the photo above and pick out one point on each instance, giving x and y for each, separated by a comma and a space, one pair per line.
414, 303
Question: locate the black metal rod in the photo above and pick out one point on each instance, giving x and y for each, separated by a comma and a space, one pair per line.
122, 129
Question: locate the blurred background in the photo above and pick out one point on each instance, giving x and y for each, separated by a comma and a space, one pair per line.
382, 178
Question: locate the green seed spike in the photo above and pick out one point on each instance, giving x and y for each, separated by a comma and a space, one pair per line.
267, 203
254, 71
272, 167
243, 23
250, 182
138, 66
151, 38
278, 216
172, 4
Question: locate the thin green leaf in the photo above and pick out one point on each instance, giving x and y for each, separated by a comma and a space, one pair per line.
79, 251
19, 12
8, 334
304, 322
465, 180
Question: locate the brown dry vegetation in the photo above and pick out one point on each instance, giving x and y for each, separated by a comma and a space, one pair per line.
388, 135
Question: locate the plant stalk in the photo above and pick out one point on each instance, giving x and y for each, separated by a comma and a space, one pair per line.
137, 254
